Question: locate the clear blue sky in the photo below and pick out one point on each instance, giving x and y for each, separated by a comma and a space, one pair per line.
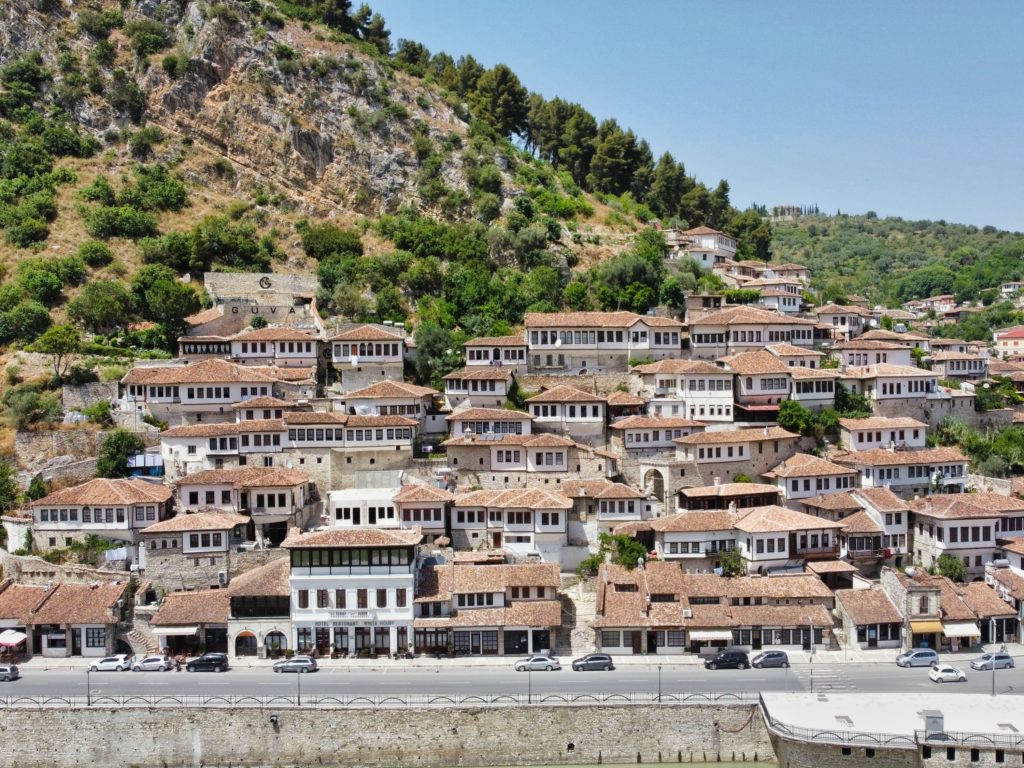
912, 109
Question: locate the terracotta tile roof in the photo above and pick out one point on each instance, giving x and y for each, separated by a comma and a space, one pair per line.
672, 366
104, 492
814, 373
270, 580
434, 583
18, 600
702, 230
315, 417
830, 566
261, 425
752, 435
262, 402
488, 414
861, 522
525, 498
599, 489
1015, 545
832, 501
247, 477
199, 521
381, 421
211, 371
868, 606
352, 537
368, 333
727, 490
882, 422
886, 369
655, 422
881, 499
581, 319
943, 356
1011, 580
784, 349
70, 603
776, 518
479, 557
496, 578
753, 363
806, 465
747, 316
273, 333
860, 343
563, 393
656, 321
515, 340
618, 397
695, 521
838, 309
983, 600
202, 430
959, 506
774, 587
410, 494
205, 316
527, 441
390, 389
521, 613
879, 334
208, 606
882, 457
291, 374
481, 373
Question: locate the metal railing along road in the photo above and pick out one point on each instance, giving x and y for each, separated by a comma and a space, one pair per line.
416, 701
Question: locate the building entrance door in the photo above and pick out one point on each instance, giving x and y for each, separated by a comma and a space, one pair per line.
474, 644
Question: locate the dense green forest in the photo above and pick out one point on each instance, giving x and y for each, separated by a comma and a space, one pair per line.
891, 260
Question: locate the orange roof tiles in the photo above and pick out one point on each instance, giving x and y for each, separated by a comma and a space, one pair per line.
526, 498
776, 518
247, 477
104, 492
563, 393
199, 521
352, 537
208, 606
390, 389
751, 435
368, 333
805, 465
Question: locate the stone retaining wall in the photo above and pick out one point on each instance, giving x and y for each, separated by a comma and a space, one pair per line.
496, 736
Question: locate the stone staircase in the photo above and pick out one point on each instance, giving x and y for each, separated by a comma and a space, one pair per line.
141, 643
575, 637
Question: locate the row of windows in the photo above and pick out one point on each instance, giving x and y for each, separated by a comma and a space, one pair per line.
700, 385
961, 534
569, 410
863, 358
622, 506
483, 355
913, 386
894, 436
551, 459
575, 337
373, 513
315, 558
826, 386
205, 539
822, 483
507, 457
341, 600
716, 452
400, 410
493, 427
470, 385
97, 515
290, 347
366, 350
776, 383
655, 436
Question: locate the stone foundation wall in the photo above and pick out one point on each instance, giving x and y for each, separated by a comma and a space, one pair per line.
171, 571
537, 735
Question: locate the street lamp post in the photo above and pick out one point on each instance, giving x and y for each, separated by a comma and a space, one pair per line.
529, 685
298, 683
659, 683
88, 687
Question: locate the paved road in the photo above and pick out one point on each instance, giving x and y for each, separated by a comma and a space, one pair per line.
850, 678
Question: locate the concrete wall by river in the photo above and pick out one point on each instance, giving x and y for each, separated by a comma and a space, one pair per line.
170, 738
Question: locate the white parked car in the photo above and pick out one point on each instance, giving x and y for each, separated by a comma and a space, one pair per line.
154, 664
943, 673
120, 662
535, 663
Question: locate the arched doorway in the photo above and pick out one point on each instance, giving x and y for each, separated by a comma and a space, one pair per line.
654, 482
245, 644
275, 643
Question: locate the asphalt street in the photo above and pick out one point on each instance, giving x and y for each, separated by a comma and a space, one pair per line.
261, 681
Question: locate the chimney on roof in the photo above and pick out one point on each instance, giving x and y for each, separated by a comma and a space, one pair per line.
766, 431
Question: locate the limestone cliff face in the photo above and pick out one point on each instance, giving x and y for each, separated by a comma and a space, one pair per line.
319, 120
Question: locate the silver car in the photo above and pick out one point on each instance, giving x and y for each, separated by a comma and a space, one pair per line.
918, 657
547, 663
296, 664
154, 664
117, 663
1001, 661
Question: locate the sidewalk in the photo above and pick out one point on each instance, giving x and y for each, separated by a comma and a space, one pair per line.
796, 658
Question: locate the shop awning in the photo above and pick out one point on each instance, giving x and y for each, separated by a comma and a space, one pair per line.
925, 627
11, 637
961, 629
164, 631
710, 634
